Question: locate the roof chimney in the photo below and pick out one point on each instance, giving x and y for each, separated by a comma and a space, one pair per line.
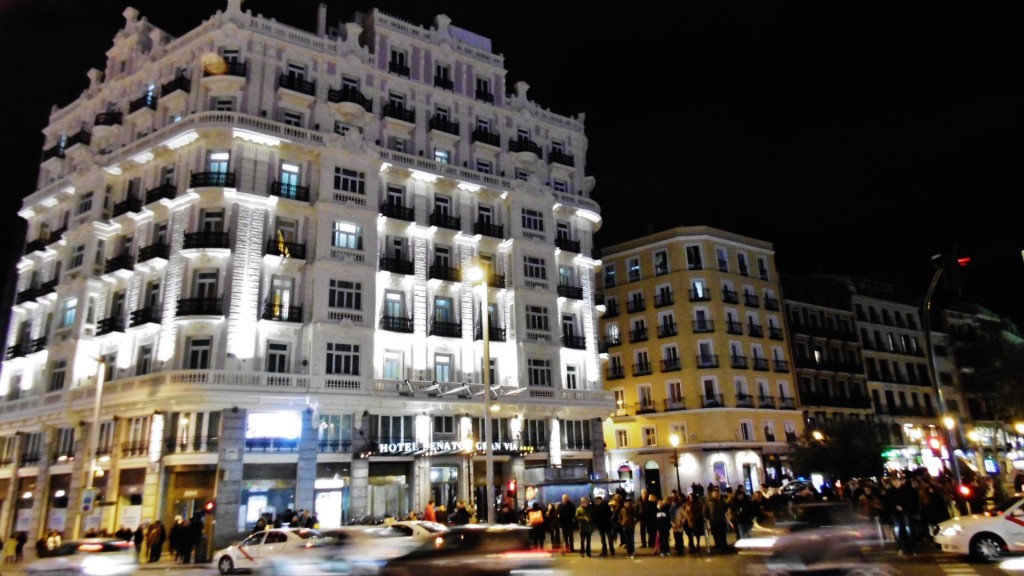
321, 20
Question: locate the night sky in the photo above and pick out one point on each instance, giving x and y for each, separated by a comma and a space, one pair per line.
857, 139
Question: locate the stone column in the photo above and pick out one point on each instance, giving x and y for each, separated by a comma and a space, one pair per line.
229, 477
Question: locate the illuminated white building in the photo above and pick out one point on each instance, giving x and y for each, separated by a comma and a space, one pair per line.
259, 235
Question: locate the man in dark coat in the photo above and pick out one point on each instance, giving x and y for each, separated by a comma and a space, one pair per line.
567, 523
603, 523
716, 513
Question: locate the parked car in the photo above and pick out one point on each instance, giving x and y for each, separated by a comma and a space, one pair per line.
250, 552
107, 556
987, 536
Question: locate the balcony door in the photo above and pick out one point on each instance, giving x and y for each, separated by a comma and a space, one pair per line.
281, 295
443, 310
394, 305
569, 326
212, 221
277, 357
204, 284
218, 162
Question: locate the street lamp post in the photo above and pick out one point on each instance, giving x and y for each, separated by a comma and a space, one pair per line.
926, 324
674, 441
479, 276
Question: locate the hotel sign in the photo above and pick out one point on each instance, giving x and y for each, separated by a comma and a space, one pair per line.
449, 447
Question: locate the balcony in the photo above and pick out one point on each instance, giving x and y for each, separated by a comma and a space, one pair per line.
707, 361
56, 151
122, 262
17, 351
738, 361
674, 403
638, 335
646, 407
703, 326
760, 364
612, 341
485, 96
286, 249
496, 280
744, 401
611, 309
165, 191
108, 119
495, 333
195, 240
775, 333
398, 68
570, 291
108, 325
200, 307
396, 324
154, 251
442, 124
485, 137
755, 331
567, 244
524, 145
442, 220
349, 95
130, 204
666, 330
397, 265
712, 401
766, 402
290, 191
144, 316
398, 211
614, 373
751, 300
296, 84
671, 365
231, 68
786, 403
781, 365
730, 296
662, 299
82, 137
733, 327
399, 112
445, 329
208, 179
635, 305
47, 287
444, 83
145, 101
280, 313
558, 157
39, 244
487, 229
771, 303
574, 342
26, 295
699, 295
180, 83
444, 272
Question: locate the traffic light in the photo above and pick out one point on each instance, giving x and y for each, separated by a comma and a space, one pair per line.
965, 490
512, 487
210, 507
935, 443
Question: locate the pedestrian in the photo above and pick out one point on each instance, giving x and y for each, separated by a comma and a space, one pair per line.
19, 551
695, 526
174, 538
461, 515
603, 523
904, 505
585, 523
155, 539
663, 526
428, 513
641, 506
677, 513
552, 526
138, 538
567, 523
535, 520
628, 519
649, 514
716, 513
10, 554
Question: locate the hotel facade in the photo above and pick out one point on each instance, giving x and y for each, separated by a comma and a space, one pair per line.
246, 283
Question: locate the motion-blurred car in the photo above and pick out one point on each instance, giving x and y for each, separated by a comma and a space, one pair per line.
474, 549
988, 536
351, 550
99, 556
250, 552
414, 528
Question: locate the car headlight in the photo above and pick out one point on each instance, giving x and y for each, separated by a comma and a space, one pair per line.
952, 530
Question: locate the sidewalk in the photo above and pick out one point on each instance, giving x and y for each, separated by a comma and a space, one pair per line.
165, 564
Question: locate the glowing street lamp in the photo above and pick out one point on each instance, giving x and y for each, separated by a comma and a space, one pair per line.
817, 435
478, 277
674, 441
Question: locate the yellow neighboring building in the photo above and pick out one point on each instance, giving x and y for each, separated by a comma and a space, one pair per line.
696, 353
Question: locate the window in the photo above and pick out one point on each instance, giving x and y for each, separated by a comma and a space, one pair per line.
68, 312
197, 353
539, 372
674, 391
650, 434
521, 174
85, 203
344, 294
533, 220
144, 360
58, 371
645, 395
741, 258
277, 357
443, 368
77, 257
351, 181
536, 318
534, 267
693, 258
292, 118
633, 269
621, 439
660, 262
342, 358
484, 166
723, 259
571, 378
746, 430
560, 185
347, 235
442, 156
762, 267
444, 425
483, 85
609, 276
223, 104
392, 365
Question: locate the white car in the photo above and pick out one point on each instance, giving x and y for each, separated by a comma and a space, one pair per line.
985, 536
108, 556
249, 553
414, 528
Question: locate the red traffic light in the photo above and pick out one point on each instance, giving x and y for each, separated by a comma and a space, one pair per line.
963, 262
965, 490
211, 505
512, 485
